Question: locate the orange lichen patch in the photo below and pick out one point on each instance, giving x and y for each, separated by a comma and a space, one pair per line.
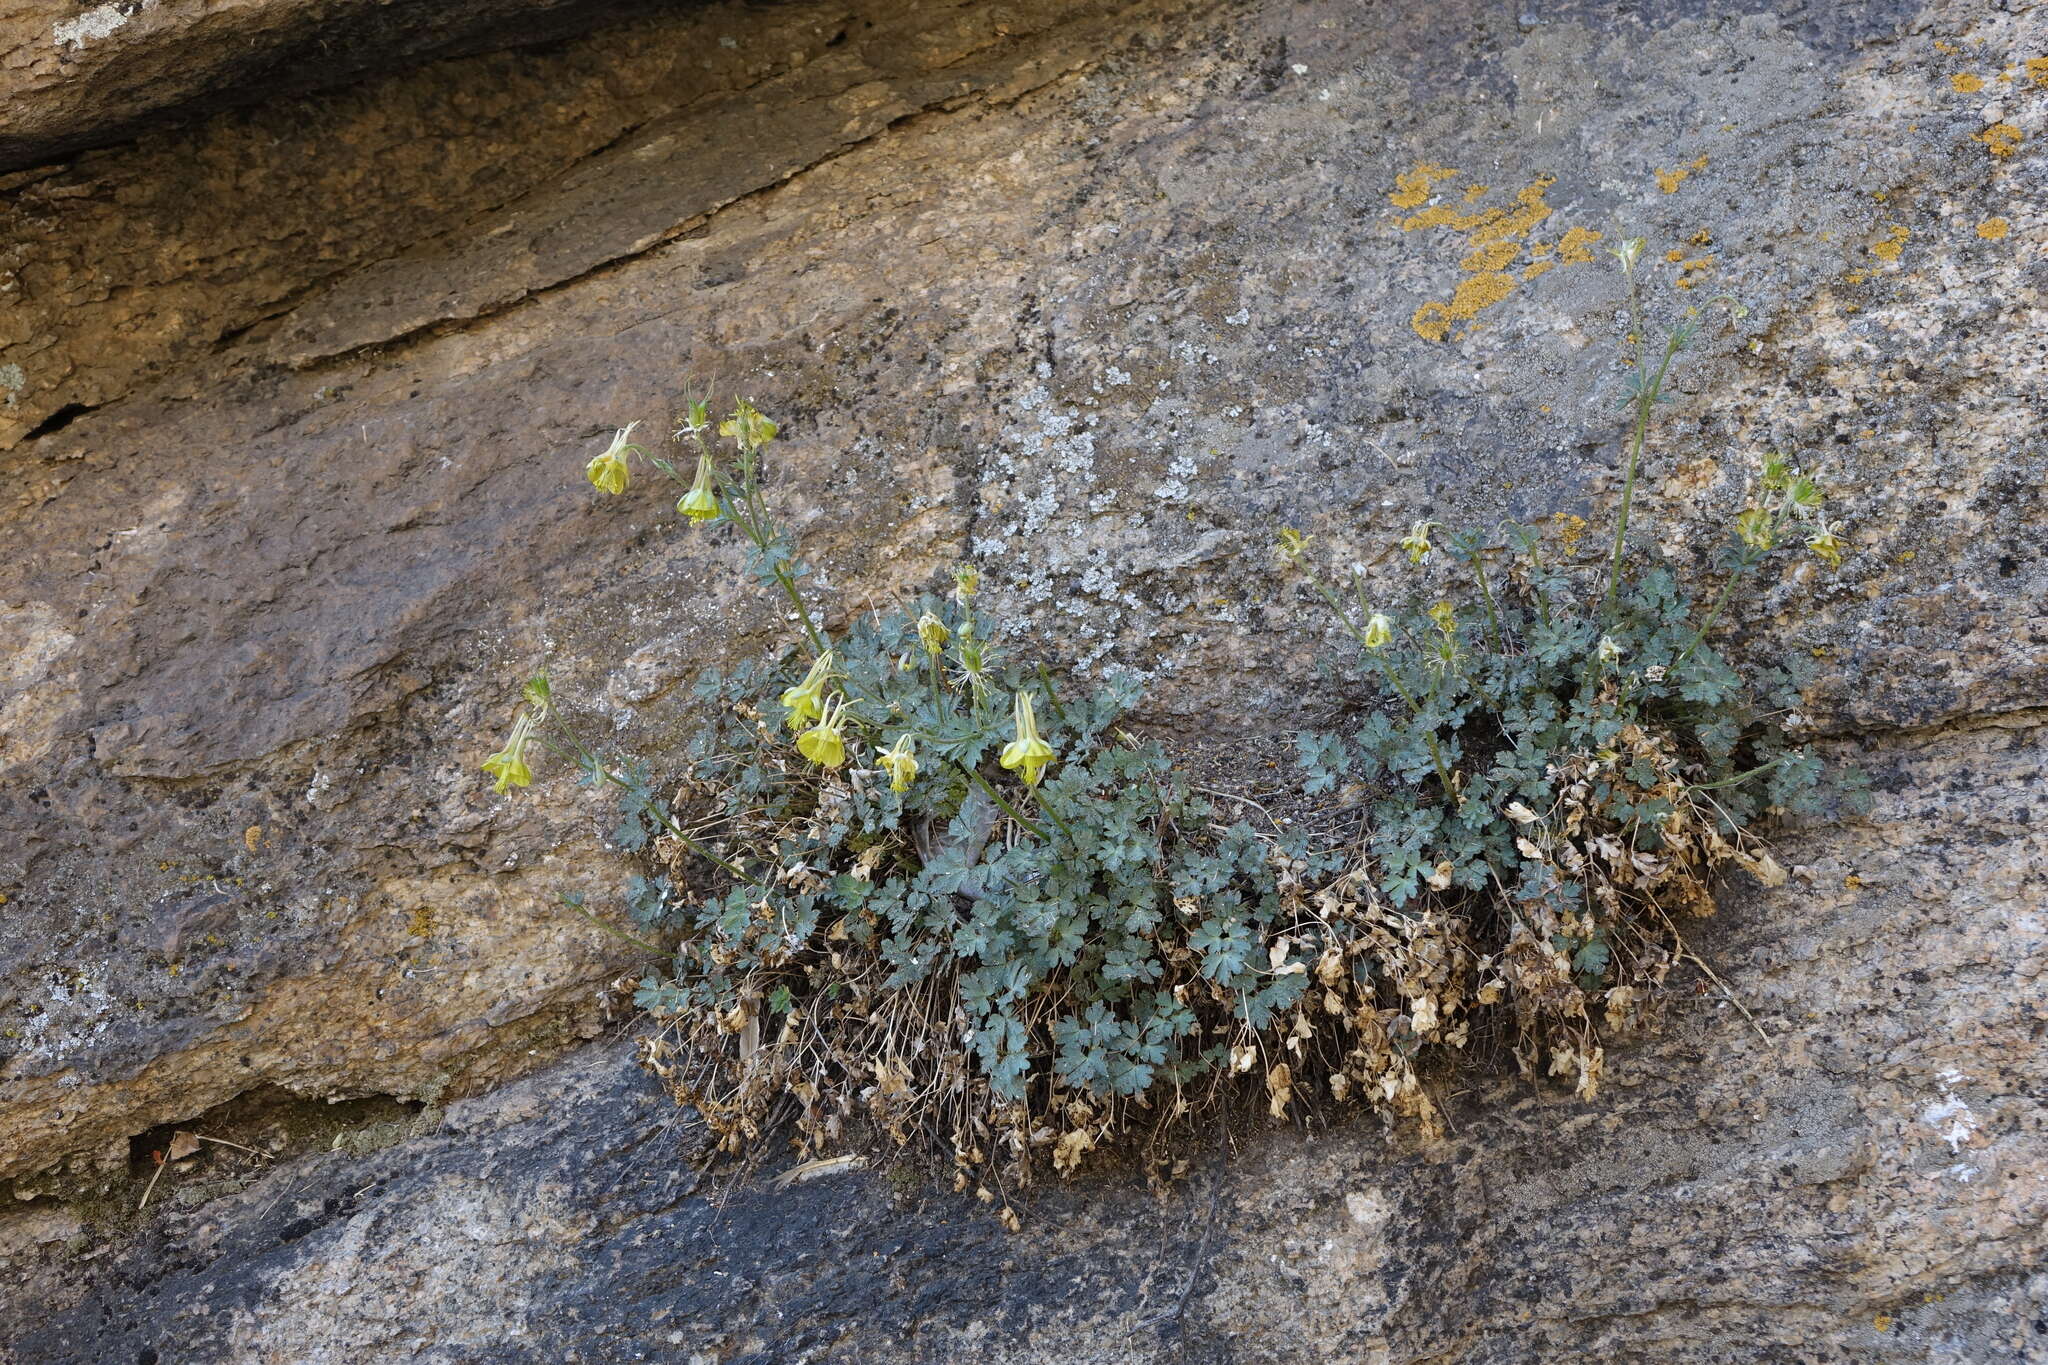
1669, 181
2037, 68
1946, 49
1993, 229
1572, 247
1491, 257
1413, 188
1857, 276
1474, 193
1433, 320
1494, 238
1966, 82
2000, 139
1703, 238
1674, 255
1893, 243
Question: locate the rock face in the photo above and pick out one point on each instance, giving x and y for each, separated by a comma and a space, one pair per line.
1097, 295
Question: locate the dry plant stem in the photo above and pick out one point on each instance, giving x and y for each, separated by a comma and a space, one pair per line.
1647, 389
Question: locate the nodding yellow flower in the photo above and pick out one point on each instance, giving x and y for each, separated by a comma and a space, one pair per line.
608, 472
1378, 631
747, 426
1416, 542
806, 701
700, 503
508, 765
966, 582
1445, 617
823, 743
1628, 252
1756, 530
1027, 754
1827, 544
1608, 652
933, 632
1293, 544
901, 762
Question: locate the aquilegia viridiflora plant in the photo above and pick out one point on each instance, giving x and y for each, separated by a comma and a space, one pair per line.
917, 890
1562, 758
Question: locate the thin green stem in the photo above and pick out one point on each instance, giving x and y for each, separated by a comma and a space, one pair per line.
1742, 566
1739, 777
1003, 801
642, 944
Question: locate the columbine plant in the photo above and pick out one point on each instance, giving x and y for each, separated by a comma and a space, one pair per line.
905, 886
1562, 777
915, 889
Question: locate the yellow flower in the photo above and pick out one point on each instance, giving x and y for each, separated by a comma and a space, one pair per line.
1293, 544
806, 701
1827, 544
933, 632
1378, 631
1754, 526
508, 765
747, 426
901, 763
1027, 754
966, 580
823, 743
700, 503
608, 472
1416, 542
1608, 651
1445, 617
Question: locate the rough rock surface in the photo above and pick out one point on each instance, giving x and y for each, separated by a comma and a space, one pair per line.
1098, 295
76, 74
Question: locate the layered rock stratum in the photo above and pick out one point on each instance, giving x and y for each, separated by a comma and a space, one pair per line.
310, 326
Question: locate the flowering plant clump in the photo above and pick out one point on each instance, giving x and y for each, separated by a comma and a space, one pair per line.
905, 884
1563, 757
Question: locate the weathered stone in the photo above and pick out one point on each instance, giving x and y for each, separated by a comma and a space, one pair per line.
76, 75
1098, 295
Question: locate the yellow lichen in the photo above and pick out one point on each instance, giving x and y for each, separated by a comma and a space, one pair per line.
1475, 192
1856, 276
1491, 257
1669, 181
1674, 255
1412, 189
1494, 239
1993, 229
2037, 68
1966, 82
1572, 248
2000, 139
1946, 49
1703, 238
1699, 263
1894, 242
